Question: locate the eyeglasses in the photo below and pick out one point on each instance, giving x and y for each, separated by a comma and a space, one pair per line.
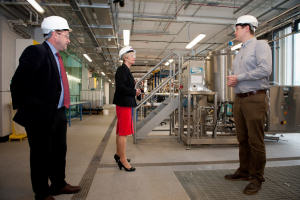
66, 36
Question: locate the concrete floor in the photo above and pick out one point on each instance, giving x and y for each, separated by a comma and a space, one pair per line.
155, 160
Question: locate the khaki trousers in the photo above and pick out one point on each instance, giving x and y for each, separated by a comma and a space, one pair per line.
250, 115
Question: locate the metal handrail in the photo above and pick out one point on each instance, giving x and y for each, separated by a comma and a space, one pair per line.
153, 92
155, 67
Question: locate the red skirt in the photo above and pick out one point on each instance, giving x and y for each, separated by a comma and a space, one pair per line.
124, 124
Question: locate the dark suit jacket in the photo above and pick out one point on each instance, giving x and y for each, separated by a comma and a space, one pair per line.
125, 92
35, 87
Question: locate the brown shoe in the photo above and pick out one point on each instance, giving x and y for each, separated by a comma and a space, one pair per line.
236, 177
68, 189
253, 187
49, 198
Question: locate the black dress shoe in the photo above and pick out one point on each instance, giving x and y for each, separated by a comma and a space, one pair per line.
253, 187
67, 189
236, 177
131, 169
117, 158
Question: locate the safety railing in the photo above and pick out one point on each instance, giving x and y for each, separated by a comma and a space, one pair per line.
165, 82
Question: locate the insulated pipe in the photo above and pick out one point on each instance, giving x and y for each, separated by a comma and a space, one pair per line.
243, 6
84, 22
204, 20
115, 22
258, 34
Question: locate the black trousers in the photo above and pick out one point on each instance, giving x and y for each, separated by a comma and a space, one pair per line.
250, 115
48, 150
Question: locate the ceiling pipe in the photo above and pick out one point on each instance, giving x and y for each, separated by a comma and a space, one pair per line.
281, 14
94, 26
272, 8
176, 14
182, 28
85, 24
265, 23
81, 5
94, 5
132, 21
204, 20
277, 27
225, 44
114, 17
9, 13
94, 16
155, 16
243, 6
186, 5
152, 33
115, 27
214, 5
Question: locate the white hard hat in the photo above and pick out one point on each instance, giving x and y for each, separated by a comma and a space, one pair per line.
53, 23
125, 50
247, 19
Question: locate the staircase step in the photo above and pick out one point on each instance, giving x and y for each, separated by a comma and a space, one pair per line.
156, 116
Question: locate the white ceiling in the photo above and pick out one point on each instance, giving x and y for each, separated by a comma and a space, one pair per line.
158, 27
154, 35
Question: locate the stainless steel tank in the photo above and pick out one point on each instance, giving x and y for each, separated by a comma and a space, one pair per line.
222, 67
209, 72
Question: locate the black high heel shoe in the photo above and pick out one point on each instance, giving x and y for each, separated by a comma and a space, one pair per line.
132, 169
117, 158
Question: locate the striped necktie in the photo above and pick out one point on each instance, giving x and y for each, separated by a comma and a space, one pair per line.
64, 81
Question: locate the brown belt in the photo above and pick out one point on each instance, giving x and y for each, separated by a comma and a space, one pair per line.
247, 94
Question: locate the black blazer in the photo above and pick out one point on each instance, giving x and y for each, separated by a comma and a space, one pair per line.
35, 87
125, 92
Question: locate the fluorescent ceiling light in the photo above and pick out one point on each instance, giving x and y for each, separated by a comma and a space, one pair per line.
126, 37
36, 6
171, 60
236, 47
103, 73
167, 63
87, 57
195, 41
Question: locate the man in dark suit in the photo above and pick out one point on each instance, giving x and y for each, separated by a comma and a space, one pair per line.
40, 93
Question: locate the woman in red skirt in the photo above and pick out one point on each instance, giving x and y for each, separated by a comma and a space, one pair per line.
124, 99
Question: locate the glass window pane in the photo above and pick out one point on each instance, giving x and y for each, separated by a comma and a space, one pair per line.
297, 58
288, 56
283, 53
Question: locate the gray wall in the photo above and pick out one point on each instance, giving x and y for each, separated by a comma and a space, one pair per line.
7, 68
111, 93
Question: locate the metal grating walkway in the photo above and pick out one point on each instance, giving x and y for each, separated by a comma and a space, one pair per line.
281, 183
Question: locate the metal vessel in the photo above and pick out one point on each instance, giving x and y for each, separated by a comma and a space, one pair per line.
222, 67
209, 75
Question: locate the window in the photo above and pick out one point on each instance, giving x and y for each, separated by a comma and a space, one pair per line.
283, 56
296, 57
286, 60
